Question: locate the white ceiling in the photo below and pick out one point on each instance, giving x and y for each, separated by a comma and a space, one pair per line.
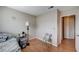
38, 10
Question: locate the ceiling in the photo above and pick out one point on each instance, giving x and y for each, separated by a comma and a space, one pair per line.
38, 10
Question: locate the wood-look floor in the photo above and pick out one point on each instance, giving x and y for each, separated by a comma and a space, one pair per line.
39, 46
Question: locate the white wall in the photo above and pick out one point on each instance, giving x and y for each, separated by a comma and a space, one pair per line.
59, 28
47, 23
13, 21
77, 32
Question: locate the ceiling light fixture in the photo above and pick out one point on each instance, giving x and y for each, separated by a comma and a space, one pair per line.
50, 7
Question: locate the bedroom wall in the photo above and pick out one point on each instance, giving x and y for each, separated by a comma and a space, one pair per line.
59, 29
47, 23
13, 21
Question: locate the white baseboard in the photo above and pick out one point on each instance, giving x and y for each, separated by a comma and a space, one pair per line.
45, 41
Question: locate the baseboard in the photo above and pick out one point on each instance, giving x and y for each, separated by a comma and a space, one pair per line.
33, 38
69, 38
45, 41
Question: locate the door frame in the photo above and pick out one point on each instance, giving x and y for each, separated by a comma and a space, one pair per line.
62, 27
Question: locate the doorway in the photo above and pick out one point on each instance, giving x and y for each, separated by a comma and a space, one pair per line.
68, 30
68, 27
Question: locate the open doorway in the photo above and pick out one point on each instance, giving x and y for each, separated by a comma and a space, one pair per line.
68, 30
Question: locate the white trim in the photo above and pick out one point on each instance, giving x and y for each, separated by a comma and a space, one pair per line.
45, 41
